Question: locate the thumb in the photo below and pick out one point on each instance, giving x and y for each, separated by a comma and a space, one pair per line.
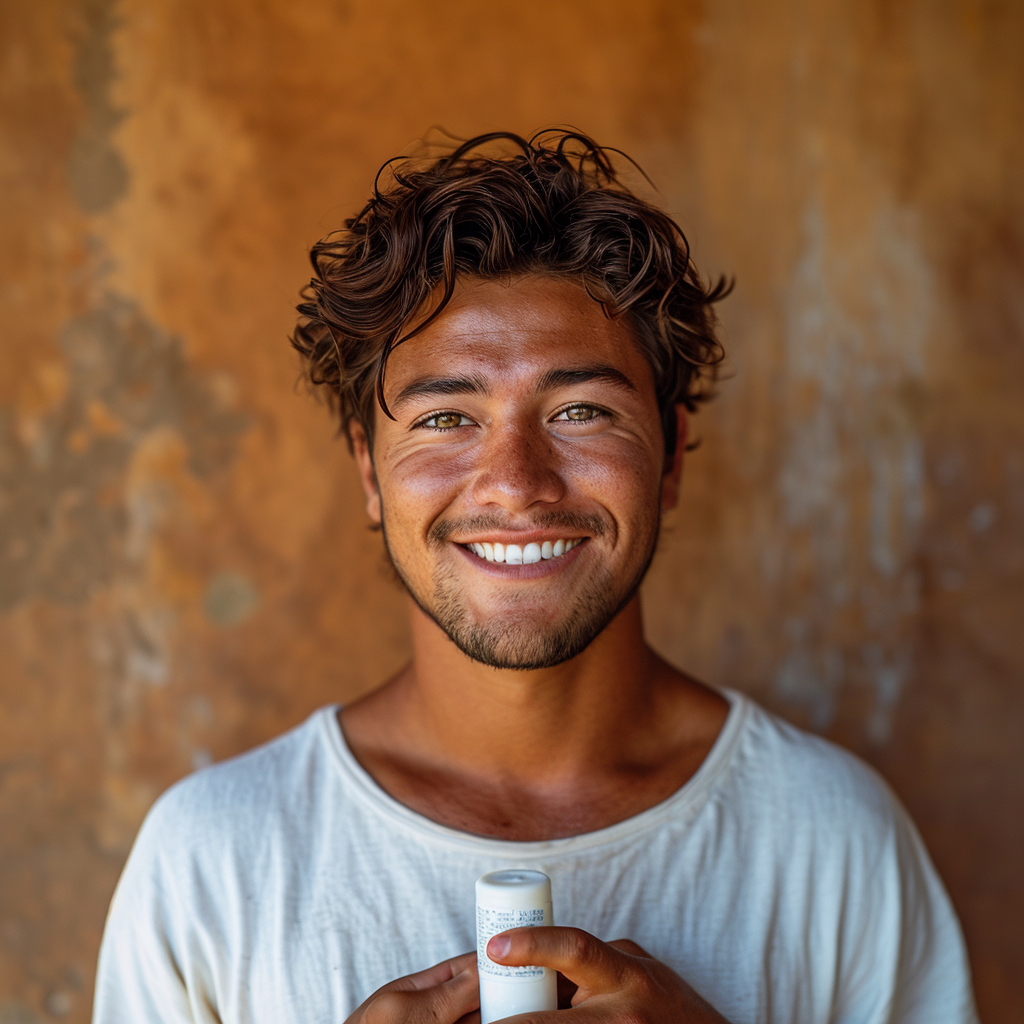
582, 958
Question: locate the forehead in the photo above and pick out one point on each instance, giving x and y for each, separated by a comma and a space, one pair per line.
518, 329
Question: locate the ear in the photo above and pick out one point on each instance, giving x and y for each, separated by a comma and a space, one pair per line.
672, 473
367, 474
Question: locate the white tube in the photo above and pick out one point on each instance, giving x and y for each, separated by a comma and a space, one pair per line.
512, 899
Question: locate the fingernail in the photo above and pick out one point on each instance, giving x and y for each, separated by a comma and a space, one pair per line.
498, 947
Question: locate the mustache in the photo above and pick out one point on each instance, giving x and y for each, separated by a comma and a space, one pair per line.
578, 522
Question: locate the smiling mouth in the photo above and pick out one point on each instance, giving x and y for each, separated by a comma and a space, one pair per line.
527, 554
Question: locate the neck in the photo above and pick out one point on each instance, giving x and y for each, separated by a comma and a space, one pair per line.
527, 723
539, 753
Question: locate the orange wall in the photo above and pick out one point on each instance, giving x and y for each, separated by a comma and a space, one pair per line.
184, 566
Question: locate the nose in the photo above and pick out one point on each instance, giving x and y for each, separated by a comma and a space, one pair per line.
517, 468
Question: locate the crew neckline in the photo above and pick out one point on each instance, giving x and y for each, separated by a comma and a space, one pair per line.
688, 799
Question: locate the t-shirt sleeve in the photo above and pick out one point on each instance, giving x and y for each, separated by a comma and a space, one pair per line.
907, 959
144, 956
933, 978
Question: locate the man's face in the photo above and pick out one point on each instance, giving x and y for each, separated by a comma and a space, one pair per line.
521, 483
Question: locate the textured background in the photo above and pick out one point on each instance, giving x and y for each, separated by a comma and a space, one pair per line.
184, 568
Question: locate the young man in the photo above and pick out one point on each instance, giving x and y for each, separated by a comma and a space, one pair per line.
513, 343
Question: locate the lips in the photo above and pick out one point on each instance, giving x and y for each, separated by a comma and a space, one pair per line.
526, 554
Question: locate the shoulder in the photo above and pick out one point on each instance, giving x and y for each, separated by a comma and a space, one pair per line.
240, 799
807, 787
188, 898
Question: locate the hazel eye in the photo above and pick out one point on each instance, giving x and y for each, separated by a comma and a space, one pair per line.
580, 413
445, 421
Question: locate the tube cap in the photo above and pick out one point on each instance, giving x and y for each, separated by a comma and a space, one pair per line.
513, 890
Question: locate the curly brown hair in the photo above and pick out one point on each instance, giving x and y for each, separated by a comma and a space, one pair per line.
554, 205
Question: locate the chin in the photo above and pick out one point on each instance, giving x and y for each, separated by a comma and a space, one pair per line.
514, 640
522, 649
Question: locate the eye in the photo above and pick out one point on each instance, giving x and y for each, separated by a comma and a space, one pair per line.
580, 413
445, 421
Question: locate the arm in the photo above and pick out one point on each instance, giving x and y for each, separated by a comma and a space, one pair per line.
138, 980
149, 970
909, 963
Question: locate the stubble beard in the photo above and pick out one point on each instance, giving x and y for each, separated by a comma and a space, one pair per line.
509, 642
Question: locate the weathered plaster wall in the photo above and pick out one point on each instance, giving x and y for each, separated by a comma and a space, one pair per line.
183, 565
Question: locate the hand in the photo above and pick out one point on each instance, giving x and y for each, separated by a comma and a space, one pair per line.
447, 993
615, 981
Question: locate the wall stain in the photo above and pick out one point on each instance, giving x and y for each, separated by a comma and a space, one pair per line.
63, 512
14, 1013
230, 599
96, 170
855, 340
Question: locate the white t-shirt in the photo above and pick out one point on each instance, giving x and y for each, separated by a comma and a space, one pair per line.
784, 882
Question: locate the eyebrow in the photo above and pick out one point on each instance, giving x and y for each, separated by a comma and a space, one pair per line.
585, 375
441, 386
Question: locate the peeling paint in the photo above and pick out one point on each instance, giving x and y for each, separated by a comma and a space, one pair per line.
856, 329
96, 170
230, 599
65, 526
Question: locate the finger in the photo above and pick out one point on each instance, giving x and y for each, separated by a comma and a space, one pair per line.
630, 947
580, 956
445, 1003
436, 975
457, 997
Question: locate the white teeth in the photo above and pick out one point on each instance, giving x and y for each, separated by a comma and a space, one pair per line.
514, 554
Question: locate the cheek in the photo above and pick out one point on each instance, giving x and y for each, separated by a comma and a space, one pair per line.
621, 475
432, 472
420, 485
